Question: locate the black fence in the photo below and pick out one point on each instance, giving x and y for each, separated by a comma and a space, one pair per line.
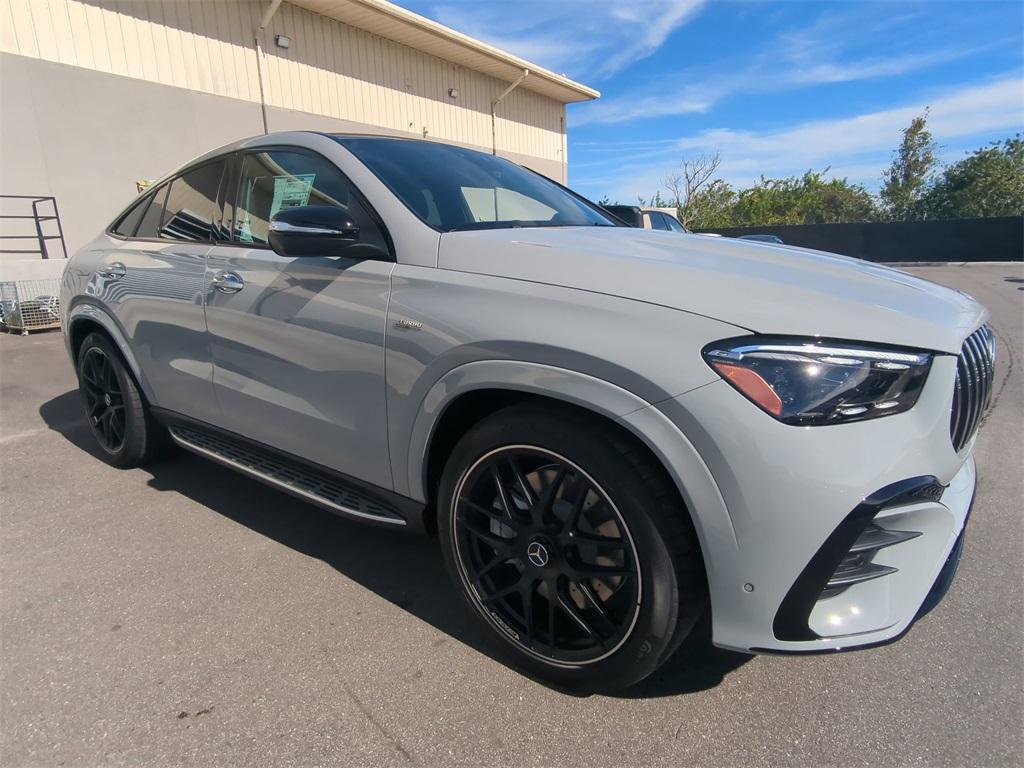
996, 239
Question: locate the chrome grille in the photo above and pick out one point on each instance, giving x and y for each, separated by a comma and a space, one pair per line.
975, 374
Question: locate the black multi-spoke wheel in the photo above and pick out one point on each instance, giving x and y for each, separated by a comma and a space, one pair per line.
568, 539
104, 401
546, 554
114, 406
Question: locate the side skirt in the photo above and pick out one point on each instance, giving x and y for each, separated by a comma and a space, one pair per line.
327, 488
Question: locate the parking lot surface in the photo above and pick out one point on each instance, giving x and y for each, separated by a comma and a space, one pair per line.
184, 614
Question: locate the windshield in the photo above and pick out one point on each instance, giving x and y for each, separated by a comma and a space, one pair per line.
452, 188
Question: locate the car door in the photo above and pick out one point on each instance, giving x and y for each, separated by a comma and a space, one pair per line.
154, 284
298, 343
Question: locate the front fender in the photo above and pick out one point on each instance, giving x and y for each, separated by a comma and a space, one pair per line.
684, 465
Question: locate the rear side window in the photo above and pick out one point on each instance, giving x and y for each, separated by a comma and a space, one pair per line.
277, 179
191, 211
126, 226
673, 224
150, 225
656, 220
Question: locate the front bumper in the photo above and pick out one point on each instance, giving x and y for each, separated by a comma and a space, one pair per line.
786, 491
923, 572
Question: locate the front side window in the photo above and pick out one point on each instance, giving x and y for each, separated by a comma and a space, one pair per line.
451, 188
191, 211
277, 179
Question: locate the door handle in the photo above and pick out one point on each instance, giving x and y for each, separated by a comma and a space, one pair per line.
228, 282
113, 271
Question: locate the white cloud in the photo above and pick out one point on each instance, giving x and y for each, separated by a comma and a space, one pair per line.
587, 39
858, 147
642, 28
825, 53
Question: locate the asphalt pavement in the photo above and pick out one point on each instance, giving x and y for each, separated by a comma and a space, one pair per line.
186, 615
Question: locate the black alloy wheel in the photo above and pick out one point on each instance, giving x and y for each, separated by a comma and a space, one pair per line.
115, 408
104, 399
545, 555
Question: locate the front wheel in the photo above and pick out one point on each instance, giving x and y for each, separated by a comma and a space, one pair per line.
569, 543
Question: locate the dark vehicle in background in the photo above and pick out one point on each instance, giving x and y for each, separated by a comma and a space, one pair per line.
646, 218
762, 239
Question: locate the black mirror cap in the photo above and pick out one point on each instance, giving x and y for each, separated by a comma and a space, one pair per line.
310, 231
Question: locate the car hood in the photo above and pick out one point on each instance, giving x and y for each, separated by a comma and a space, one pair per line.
771, 289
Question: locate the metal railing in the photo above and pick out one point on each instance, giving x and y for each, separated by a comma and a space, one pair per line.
41, 221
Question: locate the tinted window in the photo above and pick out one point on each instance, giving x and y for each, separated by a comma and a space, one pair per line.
150, 224
627, 213
656, 220
126, 226
270, 181
673, 223
191, 211
453, 188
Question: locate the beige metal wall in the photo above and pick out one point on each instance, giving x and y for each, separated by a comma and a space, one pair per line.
86, 137
331, 69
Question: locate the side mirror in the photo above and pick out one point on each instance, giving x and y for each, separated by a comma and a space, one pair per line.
312, 231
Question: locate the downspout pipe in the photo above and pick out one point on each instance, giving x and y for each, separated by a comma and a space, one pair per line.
494, 109
268, 14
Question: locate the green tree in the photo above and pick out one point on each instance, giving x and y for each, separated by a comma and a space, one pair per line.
687, 185
711, 207
988, 182
807, 199
656, 201
913, 166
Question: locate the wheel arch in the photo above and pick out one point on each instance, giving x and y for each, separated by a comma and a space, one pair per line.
475, 390
85, 318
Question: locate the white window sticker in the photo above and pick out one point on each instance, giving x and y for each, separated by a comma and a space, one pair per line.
291, 191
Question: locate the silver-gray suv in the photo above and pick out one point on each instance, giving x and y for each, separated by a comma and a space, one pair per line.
611, 430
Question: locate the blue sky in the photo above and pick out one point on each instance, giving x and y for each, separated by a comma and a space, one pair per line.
775, 87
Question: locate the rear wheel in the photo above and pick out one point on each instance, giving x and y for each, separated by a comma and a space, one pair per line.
570, 545
114, 407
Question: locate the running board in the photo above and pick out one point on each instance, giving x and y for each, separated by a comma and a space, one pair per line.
291, 477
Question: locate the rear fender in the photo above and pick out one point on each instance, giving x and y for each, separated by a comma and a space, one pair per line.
85, 311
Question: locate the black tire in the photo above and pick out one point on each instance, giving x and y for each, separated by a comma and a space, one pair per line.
614, 635
127, 434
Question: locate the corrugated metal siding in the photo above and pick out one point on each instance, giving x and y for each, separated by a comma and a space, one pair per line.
331, 69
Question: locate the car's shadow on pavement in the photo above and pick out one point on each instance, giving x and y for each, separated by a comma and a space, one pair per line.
403, 568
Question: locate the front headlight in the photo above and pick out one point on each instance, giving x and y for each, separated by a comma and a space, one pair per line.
813, 382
